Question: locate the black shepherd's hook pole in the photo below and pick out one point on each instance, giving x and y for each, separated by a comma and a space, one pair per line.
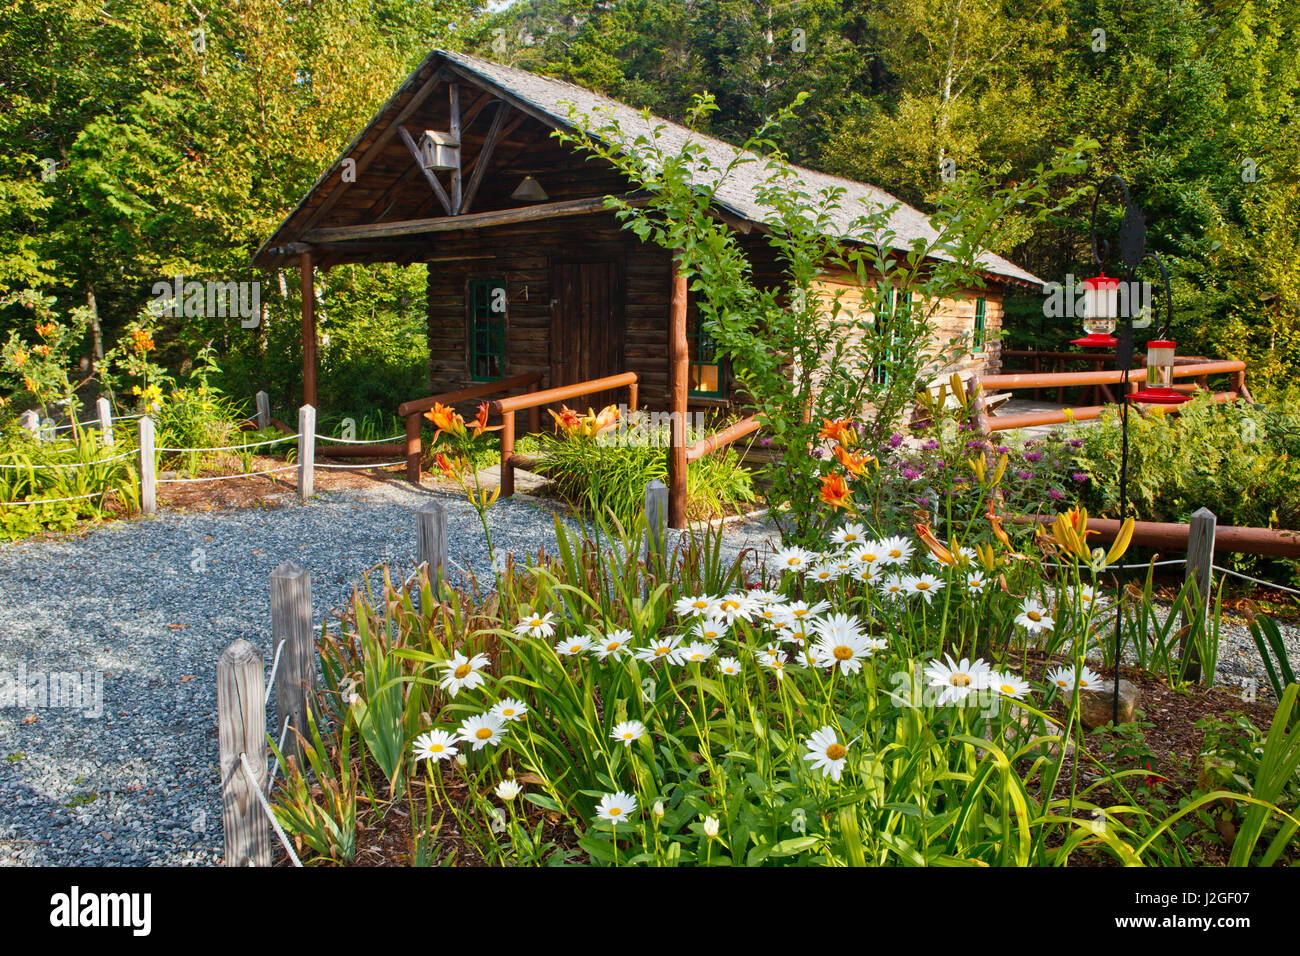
1132, 250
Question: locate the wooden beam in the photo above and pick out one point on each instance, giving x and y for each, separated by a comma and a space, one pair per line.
478, 220
454, 129
375, 148
678, 369
308, 285
484, 156
481, 103
428, 173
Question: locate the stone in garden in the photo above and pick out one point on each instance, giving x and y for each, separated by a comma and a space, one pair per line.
1097, 706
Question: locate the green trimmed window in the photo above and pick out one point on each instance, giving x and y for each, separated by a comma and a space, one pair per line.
978, 336
705, 378
886, 318
487, 324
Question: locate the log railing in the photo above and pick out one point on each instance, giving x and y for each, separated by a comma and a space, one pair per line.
1199, 370
533, 401
413, 411
719, 440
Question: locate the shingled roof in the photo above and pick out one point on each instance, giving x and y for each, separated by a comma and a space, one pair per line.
551, 101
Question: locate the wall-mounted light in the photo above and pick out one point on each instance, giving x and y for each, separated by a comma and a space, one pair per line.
530, 190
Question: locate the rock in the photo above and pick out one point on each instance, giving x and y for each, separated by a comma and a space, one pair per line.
1097, 706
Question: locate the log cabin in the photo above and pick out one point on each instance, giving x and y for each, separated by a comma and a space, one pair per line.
528, 272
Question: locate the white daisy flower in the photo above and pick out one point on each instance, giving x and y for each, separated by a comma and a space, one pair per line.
1064, 678
773, 658
1008, 684
462, 672
976, 582
735, 607
572, 646
792, 559
535, 625
697, 652
822, 573
711, 827
826, 753
507, 790
867, 573
616, 807
867, 554
925, 585
846, 651
628, 731
509, 709
769, 614
614, 644
482, 730
849, 536
803, 611
728, 666
958, 680
762, 596
435, 745
699, 604
711, 629
893, 589
897, 550
1033, 617
665, 649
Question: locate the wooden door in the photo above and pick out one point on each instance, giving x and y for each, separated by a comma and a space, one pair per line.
587, 327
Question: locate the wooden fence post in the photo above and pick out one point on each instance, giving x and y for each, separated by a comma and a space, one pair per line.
414, 449
263, 410
1200, 561
306, 452
105, 411
31, 421
507, 450
656, 519
431, 537
148, 475
241, 729
295, 678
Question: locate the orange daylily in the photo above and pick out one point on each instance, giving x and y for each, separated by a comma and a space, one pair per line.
42, 350
585, 426
855, 464
838, 431
20, 358
835, 492
941, 554
445, 419
445, 465
995, 521
143, 340
46, 329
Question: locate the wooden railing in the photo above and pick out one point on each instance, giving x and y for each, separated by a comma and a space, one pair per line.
1040, 362
413, 411
533, 401
712, 443
1198, 370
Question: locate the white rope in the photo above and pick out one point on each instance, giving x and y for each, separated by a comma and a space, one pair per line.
1247, 577
74, 464
50, 501
266, 807
275, 666
359, 441
256, 444
251, 474
385, 464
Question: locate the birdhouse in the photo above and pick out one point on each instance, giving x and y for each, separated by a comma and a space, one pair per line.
439, 150
1100, 312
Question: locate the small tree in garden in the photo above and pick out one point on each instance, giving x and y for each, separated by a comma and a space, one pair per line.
800, 355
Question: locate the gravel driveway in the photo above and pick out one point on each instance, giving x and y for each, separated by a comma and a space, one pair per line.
149, 605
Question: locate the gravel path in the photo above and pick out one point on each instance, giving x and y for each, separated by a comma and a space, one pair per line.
149, 605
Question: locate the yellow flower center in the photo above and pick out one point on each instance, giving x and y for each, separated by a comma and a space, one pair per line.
508, 712
435, 748
700, 604
923, 585
867, 558
463, 670
835, 751
612, 646
843, 653
959, 680
615, 811
483, 733
661, 651
1034, 616
895, 553
535, 622
1008, 689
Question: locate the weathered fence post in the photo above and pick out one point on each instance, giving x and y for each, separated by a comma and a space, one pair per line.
241, 729
656, 519
431, 537
306, 451
263, 410
32, 422
148, 476
1200, 561
105, 411
295, 677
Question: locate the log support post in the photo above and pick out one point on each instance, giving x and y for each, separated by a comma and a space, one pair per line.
308, 284
507, 450
414, 451
678, 369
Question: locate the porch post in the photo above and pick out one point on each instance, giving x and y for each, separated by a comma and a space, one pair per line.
308, 284
678, 363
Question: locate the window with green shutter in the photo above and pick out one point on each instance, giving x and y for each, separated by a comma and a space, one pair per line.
705, 379
977, 337
487, 327
888, 314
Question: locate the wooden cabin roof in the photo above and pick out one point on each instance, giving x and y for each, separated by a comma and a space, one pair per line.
515, 111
